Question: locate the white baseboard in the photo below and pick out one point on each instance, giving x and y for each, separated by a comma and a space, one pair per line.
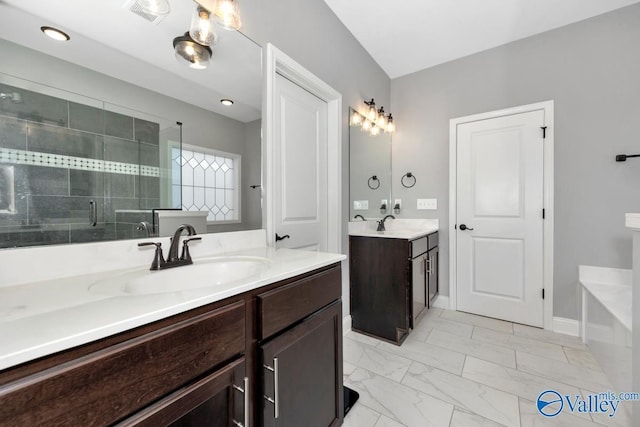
346, 324
566, 326
442, 301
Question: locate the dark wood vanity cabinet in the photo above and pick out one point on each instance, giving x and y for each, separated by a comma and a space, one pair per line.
392, 282
301, 352
201, 367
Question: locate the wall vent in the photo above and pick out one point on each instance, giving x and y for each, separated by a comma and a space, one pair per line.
135, 8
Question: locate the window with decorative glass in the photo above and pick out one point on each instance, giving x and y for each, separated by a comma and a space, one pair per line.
207, 180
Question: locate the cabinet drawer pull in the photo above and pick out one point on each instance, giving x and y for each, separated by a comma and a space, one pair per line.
274, 401
429, 261
244, 391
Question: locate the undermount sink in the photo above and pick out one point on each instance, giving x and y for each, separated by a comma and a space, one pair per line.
203, 273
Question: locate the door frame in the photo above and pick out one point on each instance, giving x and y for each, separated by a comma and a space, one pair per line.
548, 183
277, 62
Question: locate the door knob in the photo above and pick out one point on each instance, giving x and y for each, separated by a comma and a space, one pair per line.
464, 227
278, 238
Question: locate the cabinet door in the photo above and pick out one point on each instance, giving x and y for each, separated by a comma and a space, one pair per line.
380, 272
302, 373
433, 273
220, 399
419, 279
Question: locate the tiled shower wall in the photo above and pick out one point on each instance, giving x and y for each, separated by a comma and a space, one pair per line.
64, 154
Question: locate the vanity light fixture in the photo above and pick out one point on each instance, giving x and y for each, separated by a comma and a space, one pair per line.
381, 121
192, 53
372, 121
226, 102
356, 118
366, 126
202, 30
390, 126
228, 14
371, 112
55, 33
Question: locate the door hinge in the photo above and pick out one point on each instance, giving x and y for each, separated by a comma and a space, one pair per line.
542, 293
543, 213
544, 132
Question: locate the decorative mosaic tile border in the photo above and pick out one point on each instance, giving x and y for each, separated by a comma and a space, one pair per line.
34, 158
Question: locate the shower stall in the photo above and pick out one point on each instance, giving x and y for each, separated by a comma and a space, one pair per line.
76, 169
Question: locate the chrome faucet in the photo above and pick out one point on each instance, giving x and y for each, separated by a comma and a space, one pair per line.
173, 260
381, 222
146, 227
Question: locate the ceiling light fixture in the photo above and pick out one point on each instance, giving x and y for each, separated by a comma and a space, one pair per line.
202, 29
226, 102
155, 7
55, 33
228, 14
191, 53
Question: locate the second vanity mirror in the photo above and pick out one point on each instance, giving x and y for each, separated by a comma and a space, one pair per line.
369, 172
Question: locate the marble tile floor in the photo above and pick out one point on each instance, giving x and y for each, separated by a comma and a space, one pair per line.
458, 369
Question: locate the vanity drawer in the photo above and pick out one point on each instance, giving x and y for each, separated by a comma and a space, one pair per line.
419, 246
102, 387
281, 307
433, 240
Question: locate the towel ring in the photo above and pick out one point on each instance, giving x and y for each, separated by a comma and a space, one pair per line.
373, 180
408, 175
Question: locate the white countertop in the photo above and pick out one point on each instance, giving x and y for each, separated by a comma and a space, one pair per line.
41, 318
612, 287
409, 229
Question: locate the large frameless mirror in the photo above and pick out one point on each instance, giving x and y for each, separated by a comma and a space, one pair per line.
100, 133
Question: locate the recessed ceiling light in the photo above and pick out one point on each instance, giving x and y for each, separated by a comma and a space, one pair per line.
55, 33
226, 102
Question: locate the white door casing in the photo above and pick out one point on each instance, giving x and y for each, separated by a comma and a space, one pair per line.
501, 179
277, 64
300, 168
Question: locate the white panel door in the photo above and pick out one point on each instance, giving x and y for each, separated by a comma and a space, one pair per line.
499, 217
300, 167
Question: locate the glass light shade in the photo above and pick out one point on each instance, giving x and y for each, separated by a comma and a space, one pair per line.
366, 126
228, 14
202, 29
155, 7
382, 120
191, 53
390, 126
375, 130
372, 114
356, 119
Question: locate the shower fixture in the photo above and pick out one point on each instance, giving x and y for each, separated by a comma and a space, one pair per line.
15, 97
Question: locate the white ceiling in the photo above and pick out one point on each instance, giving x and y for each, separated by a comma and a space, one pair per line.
405, 36
108, 38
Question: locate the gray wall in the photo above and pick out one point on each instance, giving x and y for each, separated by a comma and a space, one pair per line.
312, 35
591, 70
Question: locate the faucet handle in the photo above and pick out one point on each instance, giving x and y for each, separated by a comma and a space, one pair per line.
158, 258
186, 256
